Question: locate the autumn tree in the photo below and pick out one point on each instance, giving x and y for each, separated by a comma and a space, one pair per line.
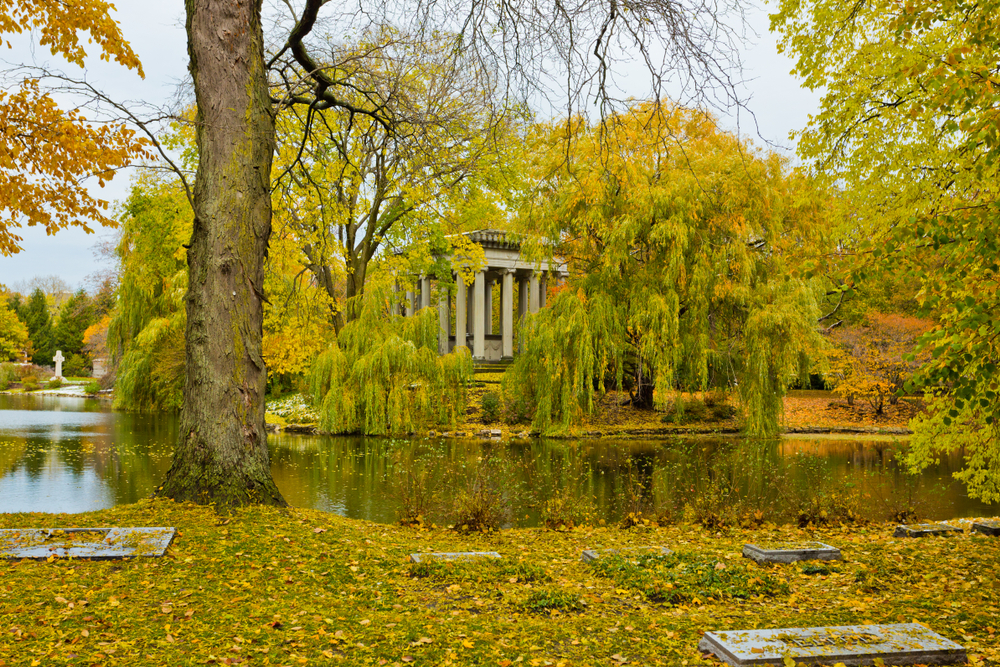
48, 151
383, 374
351, 186
678, 237
908, 126
145, 332
13, 333
35, 314
874, 359
297, 317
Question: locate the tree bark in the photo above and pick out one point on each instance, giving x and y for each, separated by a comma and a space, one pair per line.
221, 456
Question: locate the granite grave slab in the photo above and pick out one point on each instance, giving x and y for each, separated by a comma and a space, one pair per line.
87, 543
897, 644
453, 556
987, 527
590, 555
791, 552
924, 530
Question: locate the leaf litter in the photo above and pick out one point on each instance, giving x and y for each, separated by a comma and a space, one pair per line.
291, 587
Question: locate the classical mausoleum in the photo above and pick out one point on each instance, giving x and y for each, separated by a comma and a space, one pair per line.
473, 322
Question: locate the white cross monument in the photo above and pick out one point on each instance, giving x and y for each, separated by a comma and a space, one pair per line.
58, 359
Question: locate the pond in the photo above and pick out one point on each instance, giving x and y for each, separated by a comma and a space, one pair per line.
62, 454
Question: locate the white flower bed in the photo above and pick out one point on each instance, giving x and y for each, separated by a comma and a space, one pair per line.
293, 409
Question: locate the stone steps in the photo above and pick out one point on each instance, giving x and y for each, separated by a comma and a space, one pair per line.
491, 366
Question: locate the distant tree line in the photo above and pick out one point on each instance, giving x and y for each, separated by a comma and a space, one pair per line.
36, 325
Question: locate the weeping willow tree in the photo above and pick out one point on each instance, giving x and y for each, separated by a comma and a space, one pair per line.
146, 331
678, 237
383, 375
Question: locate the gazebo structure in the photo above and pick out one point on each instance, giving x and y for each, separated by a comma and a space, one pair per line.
473, 303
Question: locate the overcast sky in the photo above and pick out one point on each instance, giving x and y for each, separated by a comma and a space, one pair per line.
155, 30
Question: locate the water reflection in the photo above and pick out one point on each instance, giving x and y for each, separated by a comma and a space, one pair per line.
72, 455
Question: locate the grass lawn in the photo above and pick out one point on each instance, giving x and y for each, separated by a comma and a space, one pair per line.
293, 587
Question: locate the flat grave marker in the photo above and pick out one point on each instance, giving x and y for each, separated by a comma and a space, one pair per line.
897, 644
453, 555
590, 555
791, 552
88, 543
924, 530
989, 527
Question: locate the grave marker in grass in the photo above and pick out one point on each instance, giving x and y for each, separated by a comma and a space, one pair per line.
789, 553
590, 555
898, 644
989, 527
924, 530
452, 556
86, 543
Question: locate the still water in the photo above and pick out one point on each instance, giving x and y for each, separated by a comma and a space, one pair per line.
73, 455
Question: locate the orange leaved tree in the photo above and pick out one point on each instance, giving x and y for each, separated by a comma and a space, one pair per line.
46, 151
872, 360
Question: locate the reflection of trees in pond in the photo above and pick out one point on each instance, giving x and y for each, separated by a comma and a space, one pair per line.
373, 478
342, 474
560, 479
11, 454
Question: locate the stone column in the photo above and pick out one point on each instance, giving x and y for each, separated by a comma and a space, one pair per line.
425, 292
533, 291
507, 313
522, 307
488, 308
522, 297
408, 304
543, 289
444, 319
470, 310
478, 320
395, 305
461, 312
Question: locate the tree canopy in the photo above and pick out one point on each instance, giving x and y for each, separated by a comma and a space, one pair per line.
13, 333
47, 151
909, 126
383, 374
350, 186
146, 330
678, 236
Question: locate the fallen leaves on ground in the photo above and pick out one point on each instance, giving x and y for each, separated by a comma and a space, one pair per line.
264, 587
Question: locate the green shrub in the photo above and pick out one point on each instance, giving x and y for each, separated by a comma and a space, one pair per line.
490, 408
26, 370
495, 570
415, 483
485, 497
8, 374
565, 509
722, 411
55, 383
30, 383
92, 388
549, 599
516, 410
76, 366
713, 407
686, 578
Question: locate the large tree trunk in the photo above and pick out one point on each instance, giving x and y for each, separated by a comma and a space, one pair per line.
221, 455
